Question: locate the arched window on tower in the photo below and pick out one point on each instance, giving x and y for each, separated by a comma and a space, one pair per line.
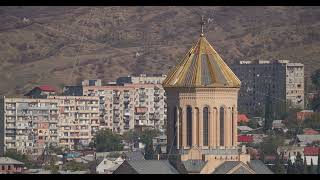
180, 127
189, 126
221, 126
175, 127
205, 126
232, 125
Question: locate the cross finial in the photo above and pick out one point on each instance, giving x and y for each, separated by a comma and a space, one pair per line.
202, 24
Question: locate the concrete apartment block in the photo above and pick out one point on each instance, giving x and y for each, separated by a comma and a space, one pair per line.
129, 106
78, 119
282, 79
29, 124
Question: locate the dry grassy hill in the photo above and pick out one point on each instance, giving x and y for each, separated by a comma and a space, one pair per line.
102, 42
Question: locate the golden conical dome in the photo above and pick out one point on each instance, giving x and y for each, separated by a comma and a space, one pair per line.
201, 67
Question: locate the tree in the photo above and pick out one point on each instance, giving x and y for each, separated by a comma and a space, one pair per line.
106, 140
318, 166
148, 134
268, 112
290, 166
158, 149
279, 167
253, 124
315, 78
149, 153
298, 164
305, 166
310, 168
26, 159
271, 143
131, 136
74, 166
52, 166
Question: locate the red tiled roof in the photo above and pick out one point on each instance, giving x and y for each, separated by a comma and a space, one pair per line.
46, 88
311, 151
242, 118
244, 138
310, 131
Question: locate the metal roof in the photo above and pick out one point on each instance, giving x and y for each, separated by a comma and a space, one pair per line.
226, 167
9, 161
202, 67
259, 167
153, 167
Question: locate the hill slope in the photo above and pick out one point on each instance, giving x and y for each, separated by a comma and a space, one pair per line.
63, 45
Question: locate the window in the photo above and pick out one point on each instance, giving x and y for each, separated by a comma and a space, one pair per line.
232, 125
205, 126
221, 126
2, 167
175, 126
189, 126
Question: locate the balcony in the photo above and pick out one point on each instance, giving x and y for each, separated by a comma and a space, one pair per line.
126, 101
141, 110
156, 93
126, 126
116, 100
156, 99
116, 119
126, 95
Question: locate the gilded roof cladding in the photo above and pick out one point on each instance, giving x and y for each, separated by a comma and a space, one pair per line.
201, 67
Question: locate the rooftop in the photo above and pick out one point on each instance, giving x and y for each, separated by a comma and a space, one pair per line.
46, 88
9, 161
202, 67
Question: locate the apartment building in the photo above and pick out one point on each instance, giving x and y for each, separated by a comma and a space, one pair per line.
142, 79
281, 80
29, 125
78, 119
129, 106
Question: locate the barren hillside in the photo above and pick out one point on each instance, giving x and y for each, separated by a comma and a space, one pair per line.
63, 45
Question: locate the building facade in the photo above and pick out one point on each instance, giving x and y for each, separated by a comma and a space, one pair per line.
281, 80
78, 120
128, 106
30, 125
142, 79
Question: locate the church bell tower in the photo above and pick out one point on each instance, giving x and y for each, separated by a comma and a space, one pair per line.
202, 94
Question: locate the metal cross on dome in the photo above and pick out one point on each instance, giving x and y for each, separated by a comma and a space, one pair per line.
202, 24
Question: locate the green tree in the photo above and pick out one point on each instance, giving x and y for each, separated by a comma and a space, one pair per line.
298, 164
148, 134
52, 166
279, 166
26, 159
253, 124
305, 166
74, 166
158, 149
310, 168
106, 141
149, 152
318, 166
131, 136
268, 113
290, 167
271, 143
315, 78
